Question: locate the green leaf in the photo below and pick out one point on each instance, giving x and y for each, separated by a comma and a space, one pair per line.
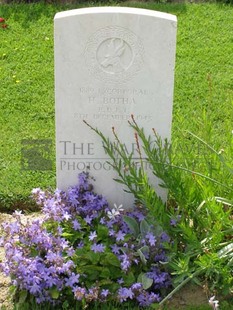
81, 253
105, 282
102, 232
92, 272
141, 251
226, 250
67, 235
111, 259
12, 290
133, 225
224, 201
54, 292
116, 273
119, 181
155, 306
34, 252
129, 278
113, 287
144, 227
65, 305
105, 273
146, 282
230, 261
158, 230
22, 296
93, 257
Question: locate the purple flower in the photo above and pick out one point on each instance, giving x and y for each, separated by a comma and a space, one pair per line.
145, 299
76, 225
125, 293
79, 293
161, 257
111, 232
34, 288
102, 221
92, 294
44, 255
173, 222
151, 238
160, 279
111, 223
50, 281
14, 227
154, 298
125, 262
115, 249
73, 197
136, 286
164, 237
120, 236
120, 281
88, 219
74, 278
67, 266
138, 215
80, 245
92, 235
53, 257
104, 293
98, 248
66, 216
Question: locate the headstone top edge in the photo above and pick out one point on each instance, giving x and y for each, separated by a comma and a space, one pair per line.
115, 10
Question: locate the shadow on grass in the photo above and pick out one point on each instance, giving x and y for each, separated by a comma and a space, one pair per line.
171, 8
11, 203
27, 13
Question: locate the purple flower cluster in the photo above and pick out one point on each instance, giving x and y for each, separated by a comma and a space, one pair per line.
91, 294
160, 278
137, 292
84, 250
37, 260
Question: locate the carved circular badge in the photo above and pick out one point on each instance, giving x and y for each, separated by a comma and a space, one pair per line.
114, 54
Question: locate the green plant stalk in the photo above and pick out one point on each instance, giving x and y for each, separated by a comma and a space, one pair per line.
165, 161
134, 178
195, 173
117, 150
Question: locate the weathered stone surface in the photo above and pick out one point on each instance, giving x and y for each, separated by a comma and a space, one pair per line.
110, 62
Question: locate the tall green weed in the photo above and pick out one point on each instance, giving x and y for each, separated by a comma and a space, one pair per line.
198, 212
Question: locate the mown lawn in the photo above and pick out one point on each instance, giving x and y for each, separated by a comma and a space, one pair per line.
203, 87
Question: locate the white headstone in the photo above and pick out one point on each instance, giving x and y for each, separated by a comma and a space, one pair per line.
110, 62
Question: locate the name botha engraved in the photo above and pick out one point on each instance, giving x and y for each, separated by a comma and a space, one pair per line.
114, 54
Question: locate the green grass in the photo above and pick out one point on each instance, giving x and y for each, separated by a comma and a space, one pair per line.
203, 86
